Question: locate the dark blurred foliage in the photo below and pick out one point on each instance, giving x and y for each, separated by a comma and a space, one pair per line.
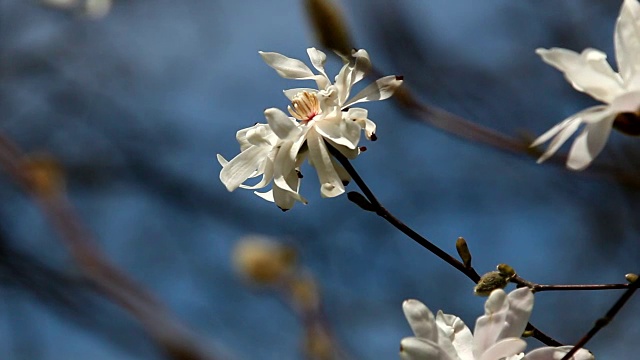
136, 105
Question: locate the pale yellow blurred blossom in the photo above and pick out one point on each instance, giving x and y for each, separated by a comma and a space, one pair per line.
263, 260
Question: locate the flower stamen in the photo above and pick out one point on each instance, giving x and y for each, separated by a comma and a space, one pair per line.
304, 106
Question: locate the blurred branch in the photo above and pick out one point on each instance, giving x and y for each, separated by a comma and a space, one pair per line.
172, 336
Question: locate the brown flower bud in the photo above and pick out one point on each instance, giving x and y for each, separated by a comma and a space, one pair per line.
463, 251
44, 173
490, 281
329, 25
631, 278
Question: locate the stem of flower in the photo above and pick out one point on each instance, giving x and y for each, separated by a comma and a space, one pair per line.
539, 287
470, 272
605, 320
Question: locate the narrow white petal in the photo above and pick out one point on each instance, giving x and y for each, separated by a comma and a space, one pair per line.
627, 42
557, 353
287, 67
565, 133
283, 126
412, 348
457, 333
520, 307
284, 166
588, 72
342, 173
222, 160
504, 348
318, 59
265, 195
340, 131
359, 115
381, 89
489, 326
267, 172
420, 319
330, 183
362, 65
236, 171
589, 143
629, 102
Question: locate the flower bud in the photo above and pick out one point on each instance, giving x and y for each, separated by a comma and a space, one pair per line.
490, 281
631, 278
506, 271
463, 251
304, 293
318, 344
329, 25
263, 260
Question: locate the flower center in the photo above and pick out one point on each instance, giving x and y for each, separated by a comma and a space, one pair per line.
628, 123
304, 106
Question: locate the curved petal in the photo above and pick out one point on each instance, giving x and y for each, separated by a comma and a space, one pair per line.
557, 353
629, 102
505, 348
489, 326
520, 307
420, 319
458, 334
282, 125
341, 132
381, 89
412, 348
223, 162
562, 133
589, 143
266, 195
287, 67
330, 183
362, 65
236, 171
284, 165
588, 72
359, 115
627, 43
267, 173
285, 199
318, 58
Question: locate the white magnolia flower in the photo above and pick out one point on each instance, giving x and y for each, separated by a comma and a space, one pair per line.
496, 336
590, 73
276, 150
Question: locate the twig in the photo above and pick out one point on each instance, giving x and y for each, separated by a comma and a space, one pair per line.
168, 332
540, 287
605, 320
381, 211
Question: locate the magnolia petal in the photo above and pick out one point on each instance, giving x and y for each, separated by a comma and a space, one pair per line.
318, 59
342, 173
557, 353
267, 172
381, 89
629, 102
588, 72
282, 125
284, 166
287, 67
343, 82
520, 307
265, 195
223, 162
589, 143
627, 42
420, 319
504, 348
457, 333
285, 199
341, 132
569, 127
359, 115
260, 135
236, 171
489, 326
362, 65
330, 183
412, 348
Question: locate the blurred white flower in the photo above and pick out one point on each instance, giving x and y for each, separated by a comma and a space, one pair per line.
276, 150
497, 333
590, 73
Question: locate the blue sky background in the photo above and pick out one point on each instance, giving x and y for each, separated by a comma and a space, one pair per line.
137, 105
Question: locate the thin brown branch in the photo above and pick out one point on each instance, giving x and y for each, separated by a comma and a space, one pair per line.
381, 211
169, 333
605, 320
